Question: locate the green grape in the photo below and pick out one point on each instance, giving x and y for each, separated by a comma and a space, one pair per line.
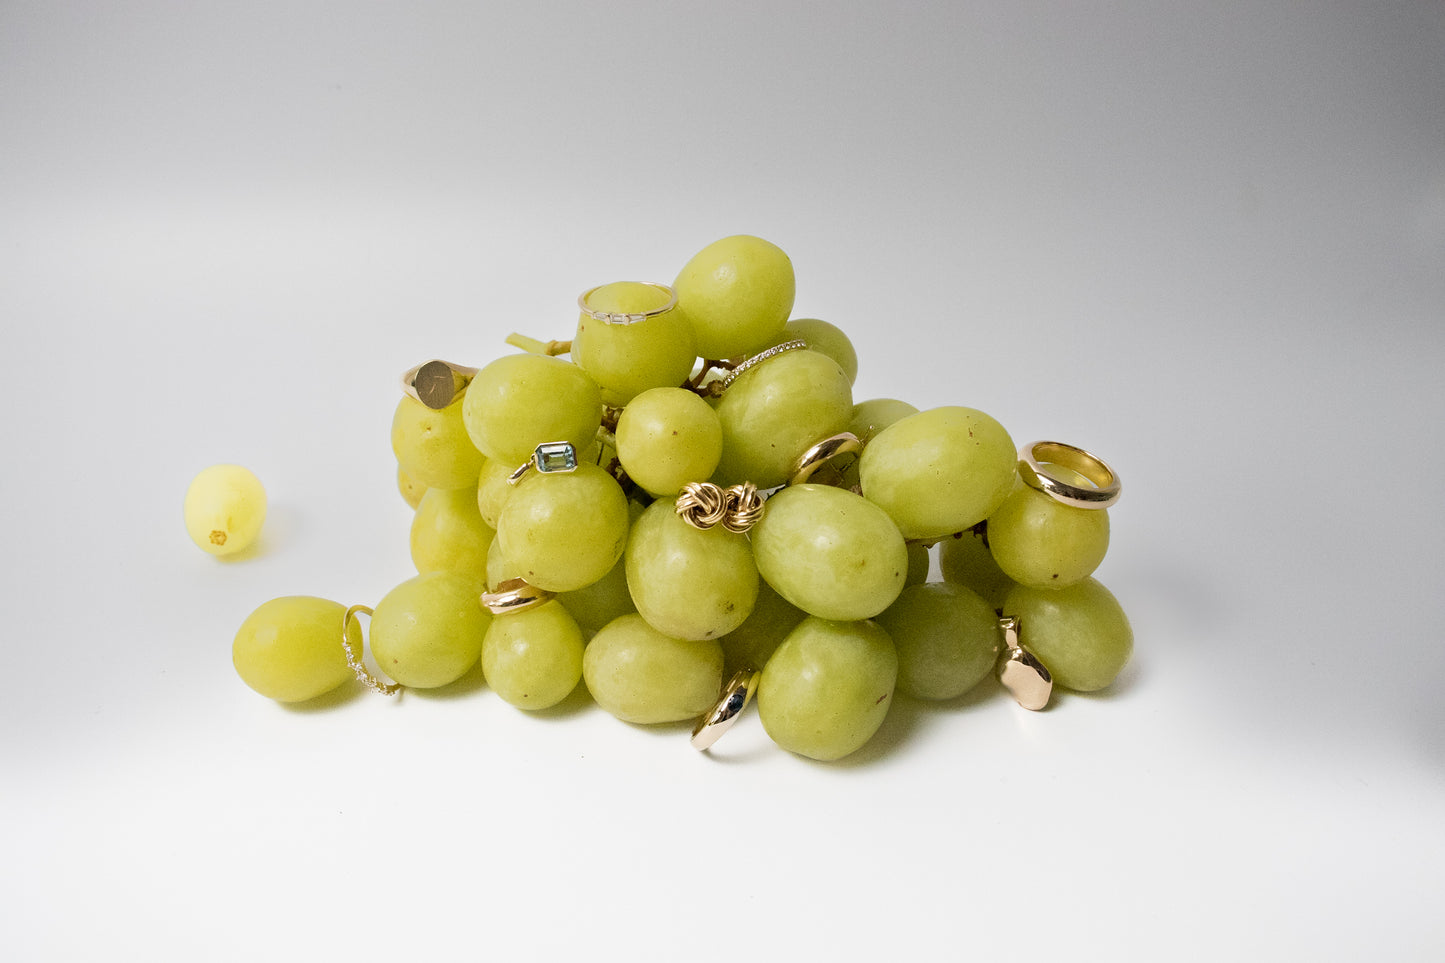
689, 583
428, 631
830, 552
875, 414
1078, 632
224, 509
1043, 543
667, 437
737, 293
493, 490
628, 359
448, 534
564, 530
593, 606
939, 471
824, 338
776, 411
640, 675
432, 446
947, 639
290, 649
498, 570
533, 658
521, 401
966, 560
411, 489
919, 562
751, 644
828, 687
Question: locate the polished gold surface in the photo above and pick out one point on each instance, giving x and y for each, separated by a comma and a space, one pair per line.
437, 384
816, 457
1035, 457
1021, 672
703, 505
616, 317
354, 660
736, 694
515, 595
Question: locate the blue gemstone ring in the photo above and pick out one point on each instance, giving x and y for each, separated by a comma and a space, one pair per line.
551, 457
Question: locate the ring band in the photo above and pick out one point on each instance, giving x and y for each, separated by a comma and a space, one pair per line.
1033, 457
354, 659
618, 317
437, 384
515, 595
735, 698
823, 452
759, 358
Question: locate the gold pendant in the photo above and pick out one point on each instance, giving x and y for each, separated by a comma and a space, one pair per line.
1021, 672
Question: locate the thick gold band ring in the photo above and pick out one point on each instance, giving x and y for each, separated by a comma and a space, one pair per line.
823, 452
515, 595
735, 698
437, 384
1035, 456
618, 317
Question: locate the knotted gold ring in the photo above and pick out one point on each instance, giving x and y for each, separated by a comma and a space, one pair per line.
703, 505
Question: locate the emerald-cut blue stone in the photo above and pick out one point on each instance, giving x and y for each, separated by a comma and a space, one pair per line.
556, 456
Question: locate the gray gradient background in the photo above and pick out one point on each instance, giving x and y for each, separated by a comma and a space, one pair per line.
1206, 243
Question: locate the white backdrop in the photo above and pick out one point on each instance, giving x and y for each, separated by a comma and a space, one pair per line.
1204, 241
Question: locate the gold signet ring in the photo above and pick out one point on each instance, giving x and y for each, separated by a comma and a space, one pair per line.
1035, 458
735, 698
822, 453
437, 384
515, 595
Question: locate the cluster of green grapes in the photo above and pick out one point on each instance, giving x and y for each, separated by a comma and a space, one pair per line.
821, 591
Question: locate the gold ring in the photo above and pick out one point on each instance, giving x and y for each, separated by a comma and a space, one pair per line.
437, 384
515, 595
759, 358
354, 659
618, 317
1020, 671
823, 452
551, 457
1033, 457
735, 698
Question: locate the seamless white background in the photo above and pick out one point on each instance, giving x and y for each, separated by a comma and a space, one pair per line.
1205, 241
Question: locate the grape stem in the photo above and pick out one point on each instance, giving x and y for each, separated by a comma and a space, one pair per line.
534, 346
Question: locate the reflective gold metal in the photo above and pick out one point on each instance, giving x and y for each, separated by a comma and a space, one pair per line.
615, 317
1036, 456
736, 695
353, 658
758, 359
515, 595
703, 505
437, 384
1020, 671
823, 452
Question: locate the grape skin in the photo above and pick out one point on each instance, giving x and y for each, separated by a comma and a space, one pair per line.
640, 675
689, 583
224, 509
947, 638
290, 649
449, 535
432, 446
1044, 543
520, 401
564, 531
667, 437
1079, 632
737, 294
427, 632
627, 359
533, 658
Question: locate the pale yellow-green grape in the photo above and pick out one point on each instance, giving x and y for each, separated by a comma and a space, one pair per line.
428, 631
823, 338
875, 414
448, 534
433, 446
667, 437
828, 687
751, 644
564, 530
947, 639
521, 401
939, 471
498, 569
493, 490
224, 509
737, 293
830, 552
777, 410
1040, 542
1079, 633
918, 564
628, 359
593, 606
411, 489
290, 649
966, 560
640, 675
533, 658
689, 583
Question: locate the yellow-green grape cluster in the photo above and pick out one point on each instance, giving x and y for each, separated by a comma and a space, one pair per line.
680, 532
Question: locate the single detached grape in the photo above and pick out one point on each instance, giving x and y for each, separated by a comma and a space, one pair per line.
428, 631
1044, 543
827, 688
533, 658
449, 535
432, 446
1079, 632
689, 583
640, 675
564, 530
521, 401
224, 509
628, 359
947, 639
290, 649
737, 293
